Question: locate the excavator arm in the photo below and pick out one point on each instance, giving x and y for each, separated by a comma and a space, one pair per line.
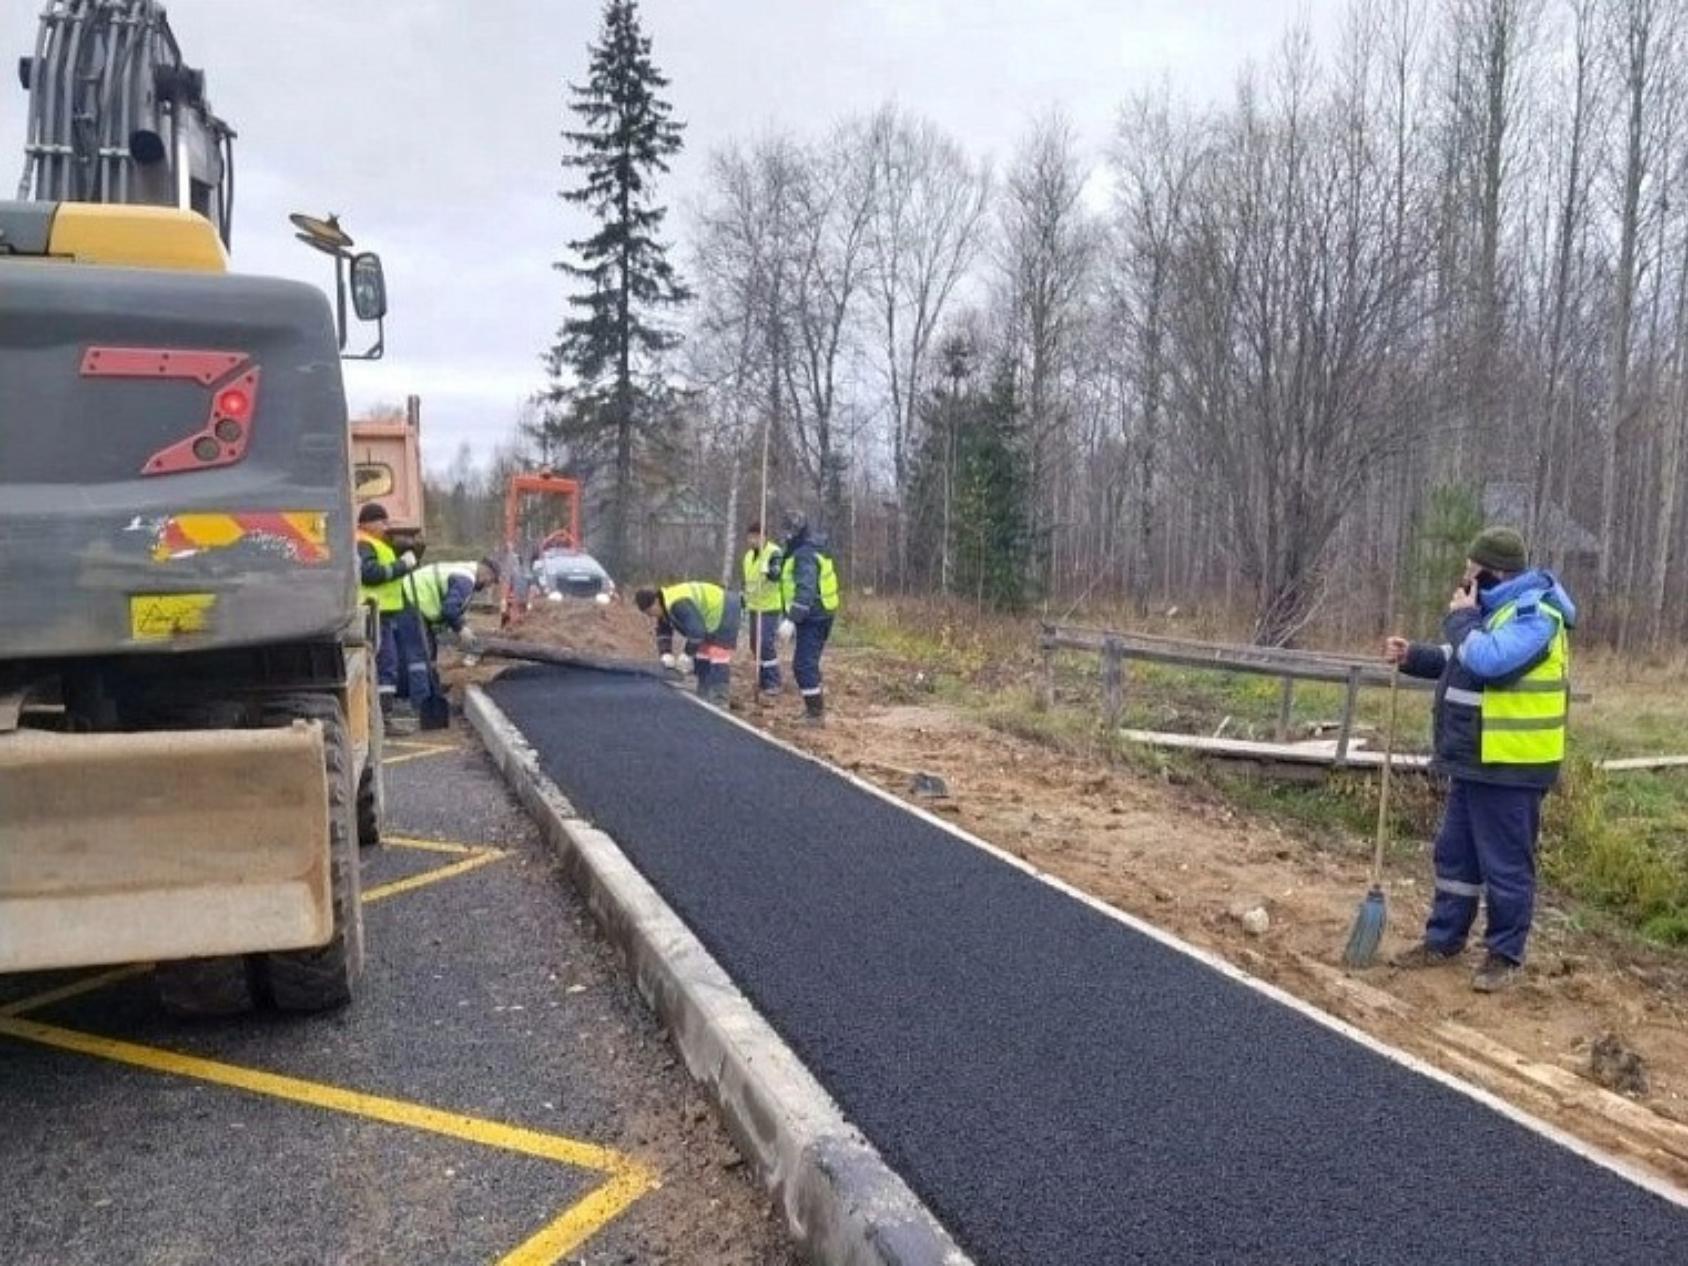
116, 115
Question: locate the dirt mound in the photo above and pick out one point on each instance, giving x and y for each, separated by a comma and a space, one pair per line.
616, 630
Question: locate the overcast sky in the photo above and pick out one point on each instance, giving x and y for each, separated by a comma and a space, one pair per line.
431, 127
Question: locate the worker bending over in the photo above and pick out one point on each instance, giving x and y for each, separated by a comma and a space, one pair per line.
381, 571
762, 606
441, 593
1501, 704
809, 596
706, 617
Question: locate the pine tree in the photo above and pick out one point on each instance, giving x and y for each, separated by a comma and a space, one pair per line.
608, 400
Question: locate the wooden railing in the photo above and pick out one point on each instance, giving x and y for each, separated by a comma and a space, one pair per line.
1116, 647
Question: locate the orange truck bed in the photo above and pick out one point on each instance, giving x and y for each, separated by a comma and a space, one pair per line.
387, 465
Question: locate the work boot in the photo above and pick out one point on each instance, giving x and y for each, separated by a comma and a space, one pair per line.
1421, 956
401, 720
1497, 972
814, 711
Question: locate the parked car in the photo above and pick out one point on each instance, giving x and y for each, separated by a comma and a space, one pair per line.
571, 573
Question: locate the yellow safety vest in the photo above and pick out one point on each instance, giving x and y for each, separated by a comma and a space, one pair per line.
426, 587
1524, 722
710, 600
827, 584
388, 596
760, 593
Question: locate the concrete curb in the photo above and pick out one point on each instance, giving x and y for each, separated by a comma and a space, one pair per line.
843, 1203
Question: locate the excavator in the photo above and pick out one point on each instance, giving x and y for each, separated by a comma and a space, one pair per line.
189, 738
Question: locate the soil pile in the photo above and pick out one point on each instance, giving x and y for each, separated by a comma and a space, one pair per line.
615, 630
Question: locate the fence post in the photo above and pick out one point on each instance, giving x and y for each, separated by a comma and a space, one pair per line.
1113, 682
1286, 701
1347, 716
1046, 685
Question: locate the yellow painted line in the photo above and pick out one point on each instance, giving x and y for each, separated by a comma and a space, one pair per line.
382, 891
417, 755
437, 846
628, 1179
581, 1221
400, 1112
75, 989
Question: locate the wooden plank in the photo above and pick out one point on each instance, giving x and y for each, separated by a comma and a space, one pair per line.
1261, 661
1320, 752
1113, 685
1347, 731
1641, 764
1286, 705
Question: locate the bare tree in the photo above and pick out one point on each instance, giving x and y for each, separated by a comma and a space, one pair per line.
928, 207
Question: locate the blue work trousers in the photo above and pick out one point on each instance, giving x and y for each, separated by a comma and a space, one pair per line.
765, 647
387, 653
415, 664
1486, 849
806, 657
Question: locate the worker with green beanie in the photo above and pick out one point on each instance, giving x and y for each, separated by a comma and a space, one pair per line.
1502, 696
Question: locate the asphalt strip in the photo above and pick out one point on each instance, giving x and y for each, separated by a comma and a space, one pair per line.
1054, 1084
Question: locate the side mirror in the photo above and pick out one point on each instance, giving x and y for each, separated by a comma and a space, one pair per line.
369, 287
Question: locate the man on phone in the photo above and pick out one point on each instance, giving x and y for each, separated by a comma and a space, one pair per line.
1503, 690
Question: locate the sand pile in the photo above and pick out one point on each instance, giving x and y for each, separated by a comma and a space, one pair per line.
616, 630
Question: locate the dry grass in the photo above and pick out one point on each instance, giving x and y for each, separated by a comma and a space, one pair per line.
1616, 844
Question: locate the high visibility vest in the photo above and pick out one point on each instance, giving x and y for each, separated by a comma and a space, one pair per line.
388, 596
1524, 721
426, 587
826, 586
760, 593
710, 600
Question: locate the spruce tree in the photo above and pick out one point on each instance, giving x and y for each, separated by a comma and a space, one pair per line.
608, 400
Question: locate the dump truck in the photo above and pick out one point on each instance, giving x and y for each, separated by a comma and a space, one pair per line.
189, 736
387, 467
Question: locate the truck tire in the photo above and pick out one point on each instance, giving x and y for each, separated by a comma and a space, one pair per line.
372, 783
323, 978
205, 988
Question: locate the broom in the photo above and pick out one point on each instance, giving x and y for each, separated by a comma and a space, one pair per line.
1373, 917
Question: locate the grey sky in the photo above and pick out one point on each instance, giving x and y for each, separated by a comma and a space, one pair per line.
431, 127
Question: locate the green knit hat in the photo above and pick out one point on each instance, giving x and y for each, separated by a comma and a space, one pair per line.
1499, 549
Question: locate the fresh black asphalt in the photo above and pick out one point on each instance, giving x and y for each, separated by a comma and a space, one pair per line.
1058, 1087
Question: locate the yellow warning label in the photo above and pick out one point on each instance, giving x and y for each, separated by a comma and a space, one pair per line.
157, 616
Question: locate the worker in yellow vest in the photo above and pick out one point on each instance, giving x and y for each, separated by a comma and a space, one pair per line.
438, 595
441, 593
809, 598
762, 607
706, 617
381, 569
1502, 699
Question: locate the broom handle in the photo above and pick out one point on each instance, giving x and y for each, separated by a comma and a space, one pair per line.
1383, 791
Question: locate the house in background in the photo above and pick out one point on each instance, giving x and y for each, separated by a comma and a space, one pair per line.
1556, 540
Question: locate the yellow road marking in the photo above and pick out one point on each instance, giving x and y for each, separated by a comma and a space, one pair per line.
417, 755
584, 1219
75, 989
382, 891
436, 846
628, 1179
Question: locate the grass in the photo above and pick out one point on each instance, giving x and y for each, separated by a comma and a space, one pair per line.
1615, 844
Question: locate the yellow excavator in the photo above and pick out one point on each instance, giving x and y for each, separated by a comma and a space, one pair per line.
189, 738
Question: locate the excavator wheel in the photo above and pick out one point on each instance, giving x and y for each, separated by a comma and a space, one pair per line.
372, 783
323, 978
